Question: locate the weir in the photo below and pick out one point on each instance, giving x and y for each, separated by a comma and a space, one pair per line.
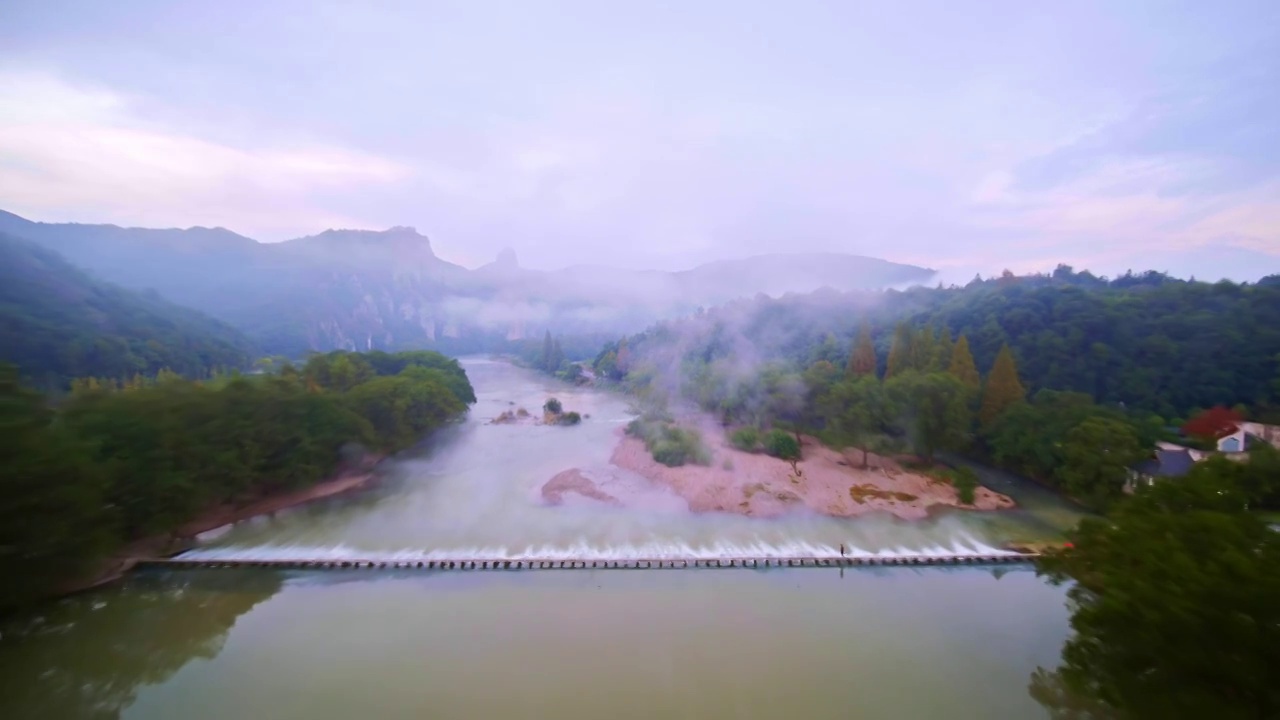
587, 564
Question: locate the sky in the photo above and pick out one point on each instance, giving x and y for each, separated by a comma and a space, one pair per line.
966, 136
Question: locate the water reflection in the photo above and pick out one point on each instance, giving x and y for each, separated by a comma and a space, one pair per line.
1049, 689
86, 656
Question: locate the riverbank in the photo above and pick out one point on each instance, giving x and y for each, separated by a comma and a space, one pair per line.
183, 538
825, 481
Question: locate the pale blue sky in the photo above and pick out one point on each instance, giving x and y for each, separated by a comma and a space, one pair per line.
965, 135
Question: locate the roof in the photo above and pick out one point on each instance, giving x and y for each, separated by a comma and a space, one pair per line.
1167, 463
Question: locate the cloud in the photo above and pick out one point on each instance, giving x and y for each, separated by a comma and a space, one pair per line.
1191, 170
71, 152
664, 135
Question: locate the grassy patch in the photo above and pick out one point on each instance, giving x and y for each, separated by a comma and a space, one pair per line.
669, 443
862, 493
746, 439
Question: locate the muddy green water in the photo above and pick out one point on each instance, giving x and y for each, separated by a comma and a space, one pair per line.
812, 643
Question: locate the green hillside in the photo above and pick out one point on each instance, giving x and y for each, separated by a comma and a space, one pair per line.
58, 323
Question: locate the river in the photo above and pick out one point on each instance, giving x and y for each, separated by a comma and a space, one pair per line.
817, 643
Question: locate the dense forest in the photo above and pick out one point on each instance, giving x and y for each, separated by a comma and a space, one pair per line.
109, 465
1148, 341
1175, 602
925, 371
57, 323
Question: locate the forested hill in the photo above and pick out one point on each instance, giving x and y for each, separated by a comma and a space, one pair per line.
1150, 341
58, 323
107, 466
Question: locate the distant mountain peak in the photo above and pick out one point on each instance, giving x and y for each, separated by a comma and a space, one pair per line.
400, 237
507, 259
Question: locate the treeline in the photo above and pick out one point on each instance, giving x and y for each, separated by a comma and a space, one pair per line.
1149, 341
109, 465
930, 397
57, 323
560, 356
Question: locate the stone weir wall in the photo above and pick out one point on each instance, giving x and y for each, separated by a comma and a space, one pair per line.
569, 564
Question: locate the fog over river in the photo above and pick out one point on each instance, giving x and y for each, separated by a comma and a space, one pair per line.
706, 643
474, 491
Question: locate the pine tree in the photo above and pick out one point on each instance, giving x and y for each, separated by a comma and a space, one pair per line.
557, 356
962, 365
863, 359
1003, 388
922, 350
545, 362
900, 353
943, 346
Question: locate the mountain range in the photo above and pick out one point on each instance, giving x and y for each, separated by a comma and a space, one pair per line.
361, 289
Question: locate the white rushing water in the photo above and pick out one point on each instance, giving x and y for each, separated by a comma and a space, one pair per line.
583, 550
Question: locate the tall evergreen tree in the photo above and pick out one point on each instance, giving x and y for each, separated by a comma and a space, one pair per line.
922, 349
862, 361
933, 410
962, 365
1003, 387
943, 346
557, 356
546, 353
900, 352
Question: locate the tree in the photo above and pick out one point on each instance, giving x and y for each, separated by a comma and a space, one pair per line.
557, 356
572, 373
548, 354
820, 408
623, 358
54, 521
966, 484
862, 361
781, 444
1213, 423
943, 347
934, 410
552, 407
606, 366
864, 410
1176, 604
962, 365
901, 354
1096, 457
926, 349
1003, 389
827, 351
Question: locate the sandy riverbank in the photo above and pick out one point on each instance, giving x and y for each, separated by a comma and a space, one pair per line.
828, 482
219, 516
573, 481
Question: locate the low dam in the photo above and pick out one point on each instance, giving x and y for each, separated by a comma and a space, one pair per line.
571, 564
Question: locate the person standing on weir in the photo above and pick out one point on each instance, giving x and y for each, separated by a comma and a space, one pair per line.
841, 549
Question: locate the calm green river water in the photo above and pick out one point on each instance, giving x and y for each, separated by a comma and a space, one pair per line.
808, 643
